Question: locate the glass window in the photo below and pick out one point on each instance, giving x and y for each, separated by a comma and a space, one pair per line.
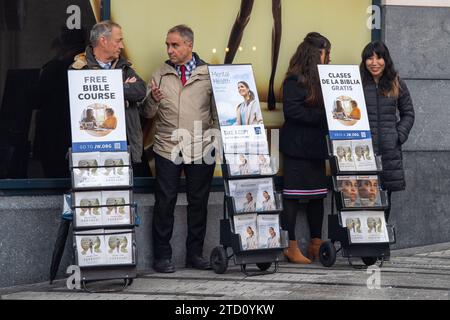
38, 42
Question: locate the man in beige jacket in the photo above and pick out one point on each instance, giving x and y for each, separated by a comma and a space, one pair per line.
180, 98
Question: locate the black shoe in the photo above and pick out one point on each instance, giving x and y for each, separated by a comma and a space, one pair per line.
197, 262
163, 266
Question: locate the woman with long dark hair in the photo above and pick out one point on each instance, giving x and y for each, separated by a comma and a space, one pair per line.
303, 144
248, 111
390, 110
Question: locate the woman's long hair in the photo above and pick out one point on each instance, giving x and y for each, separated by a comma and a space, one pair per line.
303, 65
389, 84
250, 92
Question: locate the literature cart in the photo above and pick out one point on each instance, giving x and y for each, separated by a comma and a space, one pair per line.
354, 214
358, 224
250, 230
238, 221
103, 216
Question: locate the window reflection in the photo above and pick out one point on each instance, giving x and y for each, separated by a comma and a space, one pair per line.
36, 49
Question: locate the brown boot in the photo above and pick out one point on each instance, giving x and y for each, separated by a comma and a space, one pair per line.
294, 255
314, 247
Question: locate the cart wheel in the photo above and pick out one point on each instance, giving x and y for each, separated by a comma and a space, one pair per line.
327, 253
369, 261
264, 266
219, 260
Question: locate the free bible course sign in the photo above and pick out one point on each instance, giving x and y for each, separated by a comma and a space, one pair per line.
97, 110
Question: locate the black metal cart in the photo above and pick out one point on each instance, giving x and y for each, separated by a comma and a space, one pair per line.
231, 243
338, 233
97, 229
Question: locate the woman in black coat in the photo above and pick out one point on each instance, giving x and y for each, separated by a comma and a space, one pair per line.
390, 110
303, 144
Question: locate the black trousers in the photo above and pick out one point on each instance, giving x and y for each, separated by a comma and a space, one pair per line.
314, 212
198, 185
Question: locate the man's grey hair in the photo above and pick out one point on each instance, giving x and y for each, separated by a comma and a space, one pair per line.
102, 29
184, 31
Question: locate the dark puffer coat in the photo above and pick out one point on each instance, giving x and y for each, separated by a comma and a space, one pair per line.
391, 120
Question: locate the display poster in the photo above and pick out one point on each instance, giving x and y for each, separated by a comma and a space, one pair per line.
97, 110
344, 102
238, 109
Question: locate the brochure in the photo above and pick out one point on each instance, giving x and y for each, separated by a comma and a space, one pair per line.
365, 226
119, 247
245, 226
90, 247
87, 208
115, 169
116, 210
268, 231
86, 172
251, 195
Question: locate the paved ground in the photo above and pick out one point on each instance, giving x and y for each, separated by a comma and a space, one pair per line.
418, 273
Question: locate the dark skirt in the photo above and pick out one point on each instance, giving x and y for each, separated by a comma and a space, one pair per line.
304, 179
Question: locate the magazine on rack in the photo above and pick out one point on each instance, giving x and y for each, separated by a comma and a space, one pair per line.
369, 191
86, 172
265, 200
90, 213
364, 156
245, 164
115, 170
359, 191
268, 231
342, 149
365, 226
245, 226
354, 155
251, 195
242, 164
119, 247
90, 247
116, 210
348, 185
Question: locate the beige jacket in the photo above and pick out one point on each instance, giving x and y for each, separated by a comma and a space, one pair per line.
185, 115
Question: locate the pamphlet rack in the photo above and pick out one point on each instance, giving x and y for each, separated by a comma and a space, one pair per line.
232, 242
111, 243
338, 231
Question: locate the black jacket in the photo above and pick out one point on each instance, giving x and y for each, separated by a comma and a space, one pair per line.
390, 131
133, 93
304, 131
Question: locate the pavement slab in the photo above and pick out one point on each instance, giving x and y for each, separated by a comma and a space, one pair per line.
411, 274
